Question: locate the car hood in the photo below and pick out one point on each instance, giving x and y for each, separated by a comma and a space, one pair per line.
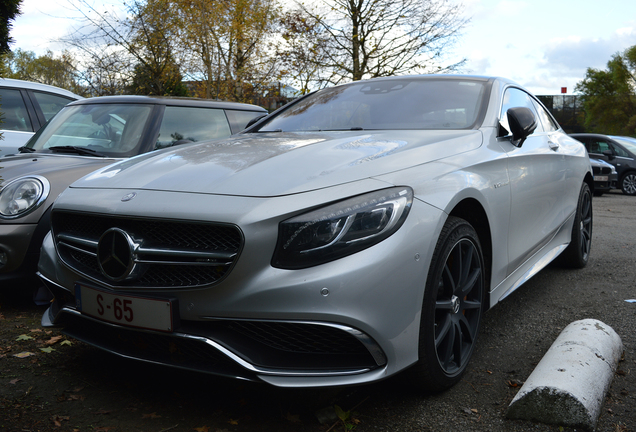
274, 164
51, 166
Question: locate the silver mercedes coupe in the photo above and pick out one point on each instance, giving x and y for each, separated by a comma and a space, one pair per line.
357, 232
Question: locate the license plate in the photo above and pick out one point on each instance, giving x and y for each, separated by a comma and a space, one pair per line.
601, 178
126, 310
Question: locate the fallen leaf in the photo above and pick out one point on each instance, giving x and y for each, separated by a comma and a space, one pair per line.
66, 342
233, 422
202, 429
102, 411
75, 397
151, 415
24, 354
57, 420
474, 410
36, 330
23, 337
14, 381
47, 350
53, 340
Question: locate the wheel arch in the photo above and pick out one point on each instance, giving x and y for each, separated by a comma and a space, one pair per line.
474, 213
590, 181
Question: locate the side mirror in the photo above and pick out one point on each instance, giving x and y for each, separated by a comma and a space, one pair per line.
254, 120
522, 123
609, 154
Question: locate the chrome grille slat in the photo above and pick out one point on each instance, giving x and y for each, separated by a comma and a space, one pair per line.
171, 254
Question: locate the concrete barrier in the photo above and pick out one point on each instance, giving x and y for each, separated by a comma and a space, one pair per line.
569, 384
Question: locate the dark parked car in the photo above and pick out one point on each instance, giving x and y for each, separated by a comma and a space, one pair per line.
619, 151
605, 176
25, 107
87, 135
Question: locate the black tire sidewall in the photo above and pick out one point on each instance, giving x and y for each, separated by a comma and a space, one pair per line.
436, 378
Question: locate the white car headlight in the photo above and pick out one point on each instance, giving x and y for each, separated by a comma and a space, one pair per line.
341, 229
23, 195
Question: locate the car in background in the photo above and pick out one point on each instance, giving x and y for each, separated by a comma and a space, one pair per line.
86, 135
26, 106
605, 176
358, 231
619, 151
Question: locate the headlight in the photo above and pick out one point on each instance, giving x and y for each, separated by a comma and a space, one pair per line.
341, 229
23, 195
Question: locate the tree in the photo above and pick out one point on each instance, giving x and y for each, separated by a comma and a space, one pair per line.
9, 10
609, 96
128, 50
49, 69
227, 43
301, 49
374, 38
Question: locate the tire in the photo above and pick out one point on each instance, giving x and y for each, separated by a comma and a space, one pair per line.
452, 307
628, 183
577, 253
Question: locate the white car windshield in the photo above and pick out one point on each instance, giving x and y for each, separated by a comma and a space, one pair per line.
389, 104
112, 129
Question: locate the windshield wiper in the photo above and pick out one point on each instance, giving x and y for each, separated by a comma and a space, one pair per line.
25, 149
77, 150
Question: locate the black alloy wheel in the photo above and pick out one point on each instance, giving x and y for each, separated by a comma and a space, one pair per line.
577, 253
453, 306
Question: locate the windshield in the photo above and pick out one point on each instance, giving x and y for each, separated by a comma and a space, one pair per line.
107, 129
628, 143
386, 104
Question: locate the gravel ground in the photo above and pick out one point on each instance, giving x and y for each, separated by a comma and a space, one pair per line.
51, 383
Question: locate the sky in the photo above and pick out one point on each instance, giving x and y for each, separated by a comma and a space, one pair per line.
544, 45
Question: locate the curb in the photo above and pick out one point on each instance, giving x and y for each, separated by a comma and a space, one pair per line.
569, 384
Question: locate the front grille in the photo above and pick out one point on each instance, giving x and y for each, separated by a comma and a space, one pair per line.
604, 170
299, 338
171, 254
278, 347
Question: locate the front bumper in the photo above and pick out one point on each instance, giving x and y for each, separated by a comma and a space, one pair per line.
349, 321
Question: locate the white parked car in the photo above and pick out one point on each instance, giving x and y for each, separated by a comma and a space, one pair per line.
357, 232
24, 107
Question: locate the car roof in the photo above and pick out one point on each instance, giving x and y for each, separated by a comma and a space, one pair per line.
170, 101
30, 85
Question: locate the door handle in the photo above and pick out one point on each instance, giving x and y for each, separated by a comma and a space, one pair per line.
553, 145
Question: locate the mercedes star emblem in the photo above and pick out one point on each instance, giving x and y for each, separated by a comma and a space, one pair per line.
116, 254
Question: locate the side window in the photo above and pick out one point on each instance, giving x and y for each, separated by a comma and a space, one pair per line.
618, 151
50, 104
14, 112
598, 146
514, 97
548, 123
190, 123
239, 119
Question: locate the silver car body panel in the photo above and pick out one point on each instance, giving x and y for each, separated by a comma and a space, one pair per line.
256, 181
